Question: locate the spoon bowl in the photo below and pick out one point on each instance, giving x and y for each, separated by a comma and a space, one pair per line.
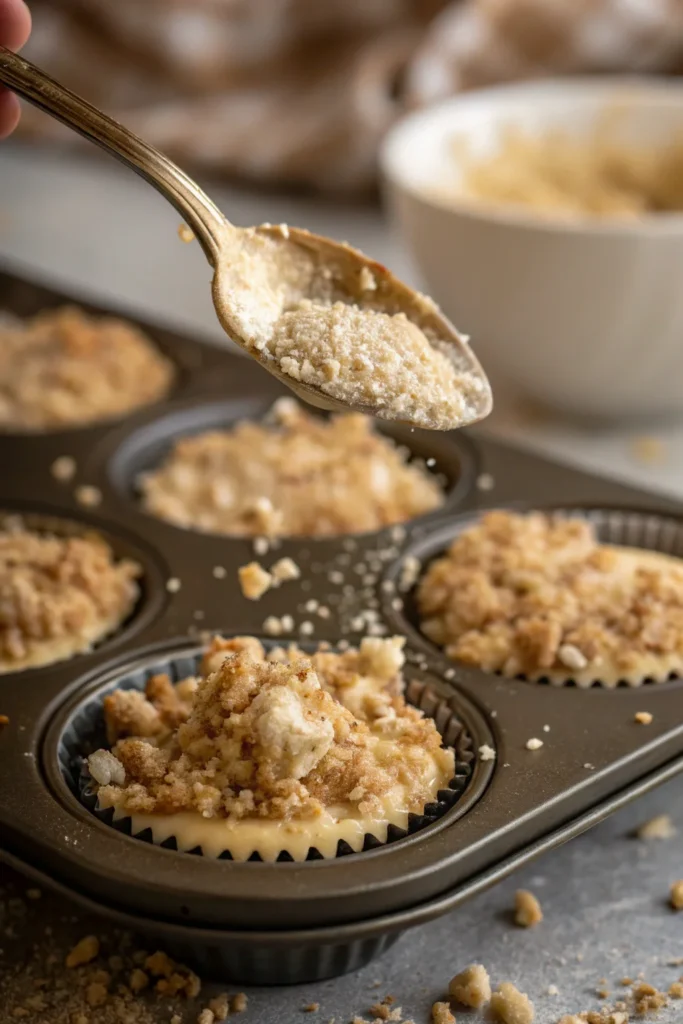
262, 274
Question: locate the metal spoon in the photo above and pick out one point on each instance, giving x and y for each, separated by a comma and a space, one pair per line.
261, 272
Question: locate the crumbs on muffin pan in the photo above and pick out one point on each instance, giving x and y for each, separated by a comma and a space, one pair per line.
65, 368
296, 474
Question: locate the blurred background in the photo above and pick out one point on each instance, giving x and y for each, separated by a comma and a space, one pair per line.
280, 108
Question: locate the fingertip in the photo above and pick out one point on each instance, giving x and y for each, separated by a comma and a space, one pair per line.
15, 23
10, 113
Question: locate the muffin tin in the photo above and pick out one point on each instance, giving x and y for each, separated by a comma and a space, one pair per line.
289, 922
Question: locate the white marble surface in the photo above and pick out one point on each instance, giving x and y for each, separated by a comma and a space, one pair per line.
94, 227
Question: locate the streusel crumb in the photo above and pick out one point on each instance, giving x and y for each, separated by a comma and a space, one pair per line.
296, 475
64, 368
472, 987
538, 595
367, 358
254, 581
510, 1006
59, 595
528, 911
659, 827
84, 951
441, 1014
676, 895
263, 737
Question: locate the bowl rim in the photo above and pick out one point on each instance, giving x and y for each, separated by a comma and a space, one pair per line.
400, 139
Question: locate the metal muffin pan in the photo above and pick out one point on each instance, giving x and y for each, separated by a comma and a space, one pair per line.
286, 922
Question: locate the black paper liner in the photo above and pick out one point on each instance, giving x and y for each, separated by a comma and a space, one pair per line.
650, 531
85, 733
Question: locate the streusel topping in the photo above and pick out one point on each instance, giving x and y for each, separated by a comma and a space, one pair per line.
262, 738
538, 595
64, 368
364, 357
299, 475
58, 595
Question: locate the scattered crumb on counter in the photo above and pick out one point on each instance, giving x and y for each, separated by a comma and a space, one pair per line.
88, 496
239, 1003
553, 990
643, 717
659, 827
220, 1006
676, 990
528, 911
219, 572
441, 1014
647, 998
485, 482
534, 744
63, 468
312, 1008
173, 585
486, 753
185, 233
471, 987
510, 1006
649, 451
83, 952
254, 581
676, 895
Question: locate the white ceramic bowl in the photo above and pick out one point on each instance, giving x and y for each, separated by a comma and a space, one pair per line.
585, 315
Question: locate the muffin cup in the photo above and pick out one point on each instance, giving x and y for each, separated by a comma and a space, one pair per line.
652, 533
85, 734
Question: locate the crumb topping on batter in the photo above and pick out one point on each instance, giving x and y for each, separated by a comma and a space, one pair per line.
59, 595
263, 736
538, 595
64, 368
294, 475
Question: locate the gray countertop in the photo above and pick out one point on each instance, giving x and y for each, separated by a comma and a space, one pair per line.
604, 897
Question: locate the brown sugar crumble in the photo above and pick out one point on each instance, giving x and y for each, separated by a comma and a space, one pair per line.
59, 595
510, 1006
537, 595
528, 911
66, 368
296, 474
471, 987
275, 736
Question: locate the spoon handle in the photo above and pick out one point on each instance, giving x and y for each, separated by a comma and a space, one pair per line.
199, 212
